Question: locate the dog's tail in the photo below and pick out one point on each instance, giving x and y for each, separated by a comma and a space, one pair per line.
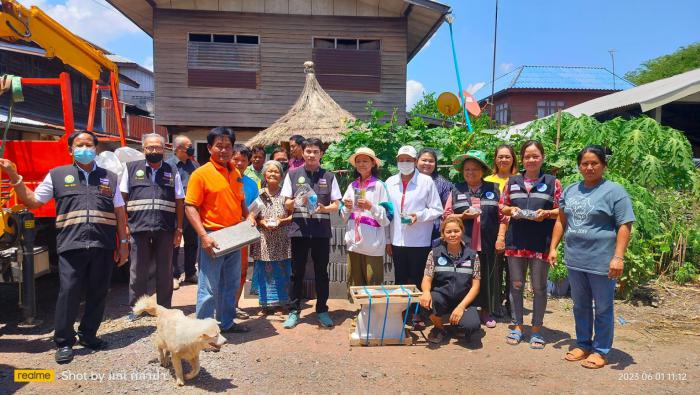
147, 304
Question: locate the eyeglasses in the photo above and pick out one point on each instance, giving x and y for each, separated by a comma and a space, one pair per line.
153, 149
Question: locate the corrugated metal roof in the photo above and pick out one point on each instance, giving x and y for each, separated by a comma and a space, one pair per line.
557, 77
648, 96
119, 59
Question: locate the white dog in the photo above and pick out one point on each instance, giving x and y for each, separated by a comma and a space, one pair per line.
180, 337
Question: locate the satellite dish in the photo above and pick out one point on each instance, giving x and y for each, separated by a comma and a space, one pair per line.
448, 104
471, 104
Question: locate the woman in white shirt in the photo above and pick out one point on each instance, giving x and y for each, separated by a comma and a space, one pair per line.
366, 210
417, 203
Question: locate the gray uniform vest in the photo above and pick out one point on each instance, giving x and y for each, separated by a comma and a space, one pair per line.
525, 234
151, 206
318, 224
452, 278
488, 195
84, 210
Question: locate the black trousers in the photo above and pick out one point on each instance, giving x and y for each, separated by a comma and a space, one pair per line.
409, 264
148, 248
320, 250
191, 245
84, 271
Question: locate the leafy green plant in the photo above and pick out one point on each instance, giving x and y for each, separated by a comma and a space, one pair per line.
558, 273
651, 161
686, 273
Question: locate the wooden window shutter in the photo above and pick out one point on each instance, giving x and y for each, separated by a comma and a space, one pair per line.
222, 63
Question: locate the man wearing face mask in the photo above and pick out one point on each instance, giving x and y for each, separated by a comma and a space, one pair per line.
155, 205
417, 201
183, 152
89, 215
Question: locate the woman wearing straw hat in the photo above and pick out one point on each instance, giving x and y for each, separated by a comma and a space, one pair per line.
475, 202
367, 210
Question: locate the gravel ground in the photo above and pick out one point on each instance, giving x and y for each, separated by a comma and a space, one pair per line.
648, 356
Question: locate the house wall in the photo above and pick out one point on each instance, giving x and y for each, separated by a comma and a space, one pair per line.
137, 96
43, 103
285, 44
523, 103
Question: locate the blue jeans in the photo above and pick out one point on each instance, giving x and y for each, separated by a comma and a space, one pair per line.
217, 287
587, 288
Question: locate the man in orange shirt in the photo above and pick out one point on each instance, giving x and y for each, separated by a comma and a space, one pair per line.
214, 201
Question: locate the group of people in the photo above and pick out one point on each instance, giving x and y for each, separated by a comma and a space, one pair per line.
468, 245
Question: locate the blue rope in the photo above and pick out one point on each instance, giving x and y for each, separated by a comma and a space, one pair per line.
369, 315
405, 316
386, 313
459, 80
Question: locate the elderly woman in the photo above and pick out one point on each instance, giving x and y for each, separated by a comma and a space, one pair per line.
596, 221
451, 282
367, 211
531, 199
427, 164
475, 202
272, 267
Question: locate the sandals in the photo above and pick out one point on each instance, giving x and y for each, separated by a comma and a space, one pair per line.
537, 341
436, 335
514, 337
594, 361
577, 354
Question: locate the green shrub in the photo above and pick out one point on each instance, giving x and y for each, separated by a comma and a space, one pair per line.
652, 162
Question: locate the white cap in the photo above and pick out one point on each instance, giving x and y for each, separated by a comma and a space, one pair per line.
407, 150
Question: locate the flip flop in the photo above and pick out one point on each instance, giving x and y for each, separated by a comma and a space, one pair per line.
514, 337
537, 341
577, 354
594, 361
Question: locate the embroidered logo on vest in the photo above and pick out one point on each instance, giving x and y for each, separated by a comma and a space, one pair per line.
301, 180
490, 195
541, 187
69, 180
442, 261
515, 187
140, 174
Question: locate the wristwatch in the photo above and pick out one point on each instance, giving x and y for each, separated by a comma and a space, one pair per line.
179, 230
124, 241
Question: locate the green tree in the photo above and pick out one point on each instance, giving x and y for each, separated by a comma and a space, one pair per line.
684, 59
427, 106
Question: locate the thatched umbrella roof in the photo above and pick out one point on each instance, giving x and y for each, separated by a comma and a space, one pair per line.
315, 114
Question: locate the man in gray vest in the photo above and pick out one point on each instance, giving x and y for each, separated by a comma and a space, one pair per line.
311, 231
183, 152
155, 205
89, 215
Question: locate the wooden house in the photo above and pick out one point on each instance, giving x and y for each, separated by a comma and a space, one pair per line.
532, 92
239, 63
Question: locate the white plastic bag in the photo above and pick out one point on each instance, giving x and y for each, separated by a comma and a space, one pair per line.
128, 154
108, 160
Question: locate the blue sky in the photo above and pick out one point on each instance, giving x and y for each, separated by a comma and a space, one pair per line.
532, 32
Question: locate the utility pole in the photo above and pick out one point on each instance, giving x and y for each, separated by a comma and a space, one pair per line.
612, 56
493, 63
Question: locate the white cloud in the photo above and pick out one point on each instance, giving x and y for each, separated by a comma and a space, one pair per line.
414, 92
148, 63
506, 67
473, 88
93, 20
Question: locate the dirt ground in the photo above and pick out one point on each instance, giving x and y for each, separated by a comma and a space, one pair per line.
655, 351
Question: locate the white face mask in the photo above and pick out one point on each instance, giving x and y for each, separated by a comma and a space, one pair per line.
406, 168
